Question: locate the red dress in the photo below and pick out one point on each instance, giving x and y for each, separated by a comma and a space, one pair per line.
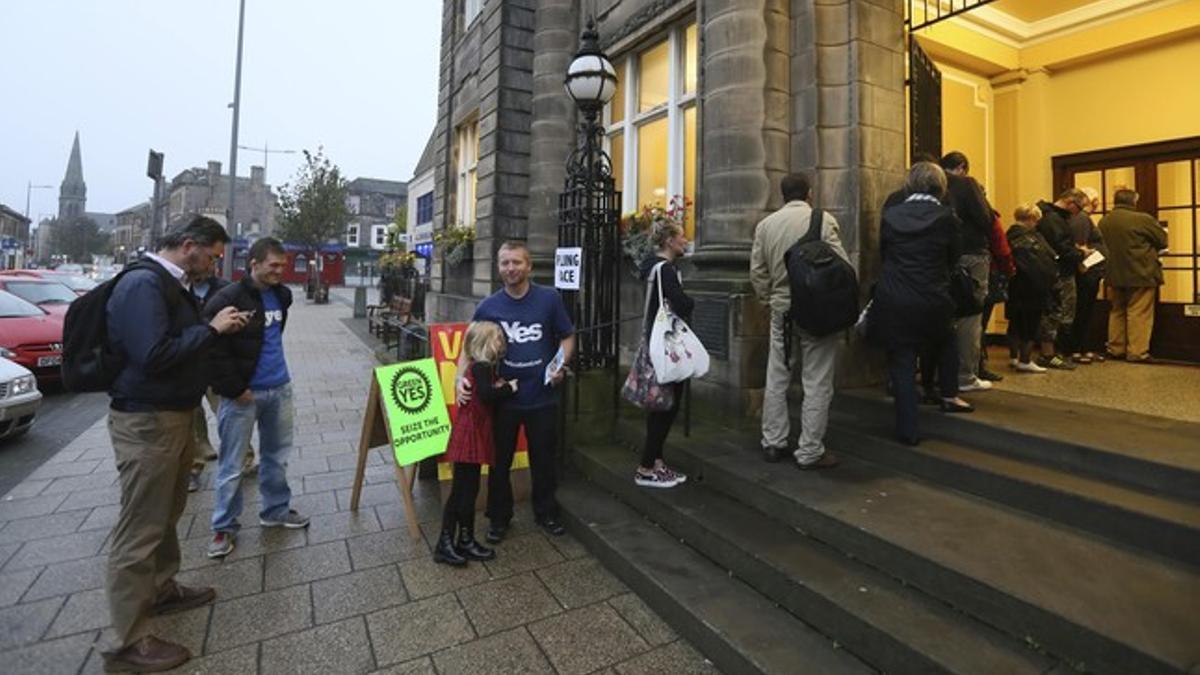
471, 436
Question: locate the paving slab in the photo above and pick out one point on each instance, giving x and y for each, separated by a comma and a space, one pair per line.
68, 577
513, 651
259, 617
84, 611
645, 622
53, 657
57, 549
25, 624
424, 578
12, 509
403, 633
421, 666
381, 548
309, 563
609, 640
506, 603
341, 525
580, 582
14, 584
523, 553
231, 579
677, 658
340, 647
357, 593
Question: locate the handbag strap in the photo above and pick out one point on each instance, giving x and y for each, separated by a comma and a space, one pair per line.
655, 276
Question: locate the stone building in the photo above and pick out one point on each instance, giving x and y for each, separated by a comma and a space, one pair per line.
14, 238
206, 191
717, 100
372, 203
132, 231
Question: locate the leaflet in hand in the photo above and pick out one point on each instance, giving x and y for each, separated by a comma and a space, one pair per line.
1092, 260
555, 365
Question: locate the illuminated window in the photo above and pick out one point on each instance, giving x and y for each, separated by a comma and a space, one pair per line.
467, 142
652, 122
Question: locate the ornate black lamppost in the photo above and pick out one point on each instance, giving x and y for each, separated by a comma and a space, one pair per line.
589, 210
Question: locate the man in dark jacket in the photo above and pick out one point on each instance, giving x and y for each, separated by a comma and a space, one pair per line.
155, 329
1135, 241
250, 374
1087, 280
1055, 227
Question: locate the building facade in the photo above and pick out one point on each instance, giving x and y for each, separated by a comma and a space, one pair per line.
372, 203
206, 191
14, 238
420, 204
132, 231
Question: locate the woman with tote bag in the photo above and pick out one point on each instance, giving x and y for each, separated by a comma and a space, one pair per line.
643, 387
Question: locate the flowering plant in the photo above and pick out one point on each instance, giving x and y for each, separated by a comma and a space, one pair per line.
455, 241
397, 258
637, 227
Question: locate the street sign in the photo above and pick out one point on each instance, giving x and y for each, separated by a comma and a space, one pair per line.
567, 268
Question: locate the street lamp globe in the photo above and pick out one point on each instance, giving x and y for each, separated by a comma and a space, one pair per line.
591, 79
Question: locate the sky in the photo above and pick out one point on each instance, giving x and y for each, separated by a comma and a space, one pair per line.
358, 77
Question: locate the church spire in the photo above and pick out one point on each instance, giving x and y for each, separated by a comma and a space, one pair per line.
72, 194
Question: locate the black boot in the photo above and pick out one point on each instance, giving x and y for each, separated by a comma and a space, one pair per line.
444, 551
470, 549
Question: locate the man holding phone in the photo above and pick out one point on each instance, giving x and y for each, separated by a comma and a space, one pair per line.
250, 374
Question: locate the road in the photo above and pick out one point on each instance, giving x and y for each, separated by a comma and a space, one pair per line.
62, 417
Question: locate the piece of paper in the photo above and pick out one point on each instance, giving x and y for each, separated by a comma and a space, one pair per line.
1092, 260
555, 364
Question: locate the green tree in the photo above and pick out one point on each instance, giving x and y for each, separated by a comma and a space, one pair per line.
78, 239
312, 207
398, 229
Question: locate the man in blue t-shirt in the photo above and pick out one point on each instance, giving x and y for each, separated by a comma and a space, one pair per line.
537, 328
251, 376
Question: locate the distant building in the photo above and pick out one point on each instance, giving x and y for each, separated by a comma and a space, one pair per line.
72, 192
14, 238
420, 203
206, 191
131, 231
372, 203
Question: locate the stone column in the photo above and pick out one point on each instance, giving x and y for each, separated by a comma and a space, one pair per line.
745, 122
555, 40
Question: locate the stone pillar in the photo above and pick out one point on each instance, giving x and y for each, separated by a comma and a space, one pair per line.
745, 121
555, 40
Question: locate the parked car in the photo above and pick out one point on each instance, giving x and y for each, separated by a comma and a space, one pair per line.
76, 282
71, 268
52, 296
31, 336
19, 399
102, 274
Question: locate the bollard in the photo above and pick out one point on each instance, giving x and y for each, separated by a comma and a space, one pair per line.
360, 302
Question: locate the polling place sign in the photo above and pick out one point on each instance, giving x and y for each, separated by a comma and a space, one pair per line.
568, 263
415, 408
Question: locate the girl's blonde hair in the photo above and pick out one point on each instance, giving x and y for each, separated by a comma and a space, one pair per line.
1027, 212
484, 342
664, 232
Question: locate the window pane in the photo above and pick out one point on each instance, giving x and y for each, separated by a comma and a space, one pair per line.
652, 163
616, 107
1091, 179
617, 153
652, 77
1175, 183
691, 58
1179, 287
690, 169
1117, 179
1179, 230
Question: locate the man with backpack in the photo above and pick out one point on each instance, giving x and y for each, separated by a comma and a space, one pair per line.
774, 237
154, 346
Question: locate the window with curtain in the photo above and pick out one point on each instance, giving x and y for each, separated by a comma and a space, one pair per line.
467, 142
651, 122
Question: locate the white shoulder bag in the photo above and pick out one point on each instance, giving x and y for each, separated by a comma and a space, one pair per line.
675, 351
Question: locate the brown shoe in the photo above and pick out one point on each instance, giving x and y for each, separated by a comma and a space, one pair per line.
147, 655
826, 461
177, 598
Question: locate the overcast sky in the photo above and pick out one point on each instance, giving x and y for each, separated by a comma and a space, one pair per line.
356, 76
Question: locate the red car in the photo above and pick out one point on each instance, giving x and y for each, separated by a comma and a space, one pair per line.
30, 336
76, 282
49, 295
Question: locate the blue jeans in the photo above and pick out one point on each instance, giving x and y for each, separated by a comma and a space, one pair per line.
272, 410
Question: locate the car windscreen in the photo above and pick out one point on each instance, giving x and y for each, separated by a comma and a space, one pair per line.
11, 306
74, 282
41, 292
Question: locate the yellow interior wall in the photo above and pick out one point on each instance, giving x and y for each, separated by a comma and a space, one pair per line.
967, 120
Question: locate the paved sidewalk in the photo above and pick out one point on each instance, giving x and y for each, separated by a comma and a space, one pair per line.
352, 594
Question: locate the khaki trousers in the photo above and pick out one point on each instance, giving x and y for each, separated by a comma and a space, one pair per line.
1130, 322
153, 454
818, 358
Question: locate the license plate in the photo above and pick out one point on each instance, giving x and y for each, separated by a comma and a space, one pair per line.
46, 361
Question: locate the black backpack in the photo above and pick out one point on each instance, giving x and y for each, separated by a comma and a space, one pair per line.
88, 363
1034, 260
824, 286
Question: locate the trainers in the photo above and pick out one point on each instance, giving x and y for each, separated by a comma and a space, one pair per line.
1012, 363
1056, 362
193, 481
988, 376
1030, 367
1081, 358
672, 473
654, 479
826, 461
977, 385
291, 520
221, 545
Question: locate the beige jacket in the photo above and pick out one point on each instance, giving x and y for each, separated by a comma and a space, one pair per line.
773, 236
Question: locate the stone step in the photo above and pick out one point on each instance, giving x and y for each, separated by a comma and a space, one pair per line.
735, 627
1103, 607
894, 628
1161, 525
1151, 454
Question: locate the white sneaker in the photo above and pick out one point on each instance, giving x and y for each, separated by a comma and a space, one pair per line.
653, 479
1012, 363
977, 385
1030, 367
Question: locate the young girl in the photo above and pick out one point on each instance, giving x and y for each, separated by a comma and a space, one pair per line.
1026, 301
471, 444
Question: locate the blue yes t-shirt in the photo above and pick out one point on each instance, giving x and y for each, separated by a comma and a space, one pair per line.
533, 326
271, 370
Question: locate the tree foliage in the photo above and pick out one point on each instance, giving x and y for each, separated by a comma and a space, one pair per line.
312, 207
77, 238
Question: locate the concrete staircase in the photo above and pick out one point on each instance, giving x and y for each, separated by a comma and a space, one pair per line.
1031, 537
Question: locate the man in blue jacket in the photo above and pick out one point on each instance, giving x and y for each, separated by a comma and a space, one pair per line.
155, 329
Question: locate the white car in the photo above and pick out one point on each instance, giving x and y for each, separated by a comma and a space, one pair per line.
19, 399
